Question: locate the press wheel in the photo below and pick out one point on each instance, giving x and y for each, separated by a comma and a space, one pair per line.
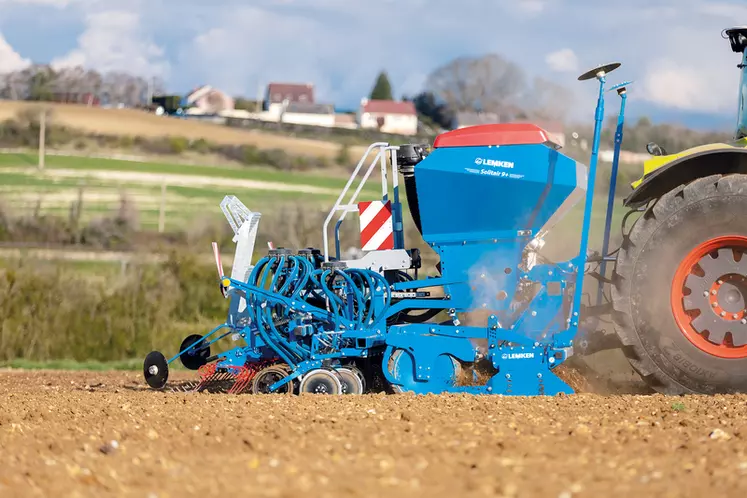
268, 376
321, 381
351, 383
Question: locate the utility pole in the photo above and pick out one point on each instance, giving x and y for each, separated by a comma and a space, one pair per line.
42, 136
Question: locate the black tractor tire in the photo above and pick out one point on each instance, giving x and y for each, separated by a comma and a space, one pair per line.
642, 295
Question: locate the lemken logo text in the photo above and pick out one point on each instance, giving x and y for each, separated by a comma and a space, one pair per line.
517, 356
493, 162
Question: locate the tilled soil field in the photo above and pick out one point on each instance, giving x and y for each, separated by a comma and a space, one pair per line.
105, 434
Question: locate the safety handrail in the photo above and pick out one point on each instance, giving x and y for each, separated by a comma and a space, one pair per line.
338, 206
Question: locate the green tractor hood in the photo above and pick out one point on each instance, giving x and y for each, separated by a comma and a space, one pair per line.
657, 162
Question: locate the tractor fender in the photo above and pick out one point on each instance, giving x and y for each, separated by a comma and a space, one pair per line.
685, 169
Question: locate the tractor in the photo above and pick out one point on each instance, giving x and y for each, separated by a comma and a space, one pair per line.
679, 286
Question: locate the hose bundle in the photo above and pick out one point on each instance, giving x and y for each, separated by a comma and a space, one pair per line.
351, 296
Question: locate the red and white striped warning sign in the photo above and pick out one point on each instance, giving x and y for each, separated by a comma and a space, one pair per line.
377, 233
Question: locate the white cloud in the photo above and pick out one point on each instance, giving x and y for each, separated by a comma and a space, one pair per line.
688, 87
725, 10
675, 86
692, 68
562, 60
10, 60
115, 41
250, 47
530, 7
236, 59
53, 3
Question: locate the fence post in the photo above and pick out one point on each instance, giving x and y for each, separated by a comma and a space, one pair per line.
162, 210
42, 137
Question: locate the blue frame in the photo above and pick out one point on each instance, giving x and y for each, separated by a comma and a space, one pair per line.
621, 88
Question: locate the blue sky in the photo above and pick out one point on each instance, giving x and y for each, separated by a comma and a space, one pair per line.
672, 48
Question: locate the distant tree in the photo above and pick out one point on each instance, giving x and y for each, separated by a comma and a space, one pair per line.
41, 86
674, 138
644, 122
42, 82
436, 112
489, 84
382, 90
124, 88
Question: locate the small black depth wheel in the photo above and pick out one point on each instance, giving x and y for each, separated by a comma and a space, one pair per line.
350, 381
197, 356
268, 376
156, 370
321, 381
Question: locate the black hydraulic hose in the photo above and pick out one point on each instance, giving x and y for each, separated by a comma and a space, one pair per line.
412, 200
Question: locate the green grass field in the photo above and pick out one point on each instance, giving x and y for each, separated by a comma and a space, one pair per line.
131, 365
57, 162
192, 192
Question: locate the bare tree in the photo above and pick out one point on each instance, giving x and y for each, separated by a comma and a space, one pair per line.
6, 86
42, 82
70, 80
123, 88
113, 86
78, 82
486, 83
94, 82
32, 82
549, 100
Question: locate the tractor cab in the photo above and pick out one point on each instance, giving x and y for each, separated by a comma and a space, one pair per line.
738, 39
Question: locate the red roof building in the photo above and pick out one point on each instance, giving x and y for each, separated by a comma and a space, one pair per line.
277, 93
388, 107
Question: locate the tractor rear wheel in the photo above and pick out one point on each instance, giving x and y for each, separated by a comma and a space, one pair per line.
680, 291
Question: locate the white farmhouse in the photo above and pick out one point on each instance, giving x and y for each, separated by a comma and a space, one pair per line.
388, 116
309, 114
280, 95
